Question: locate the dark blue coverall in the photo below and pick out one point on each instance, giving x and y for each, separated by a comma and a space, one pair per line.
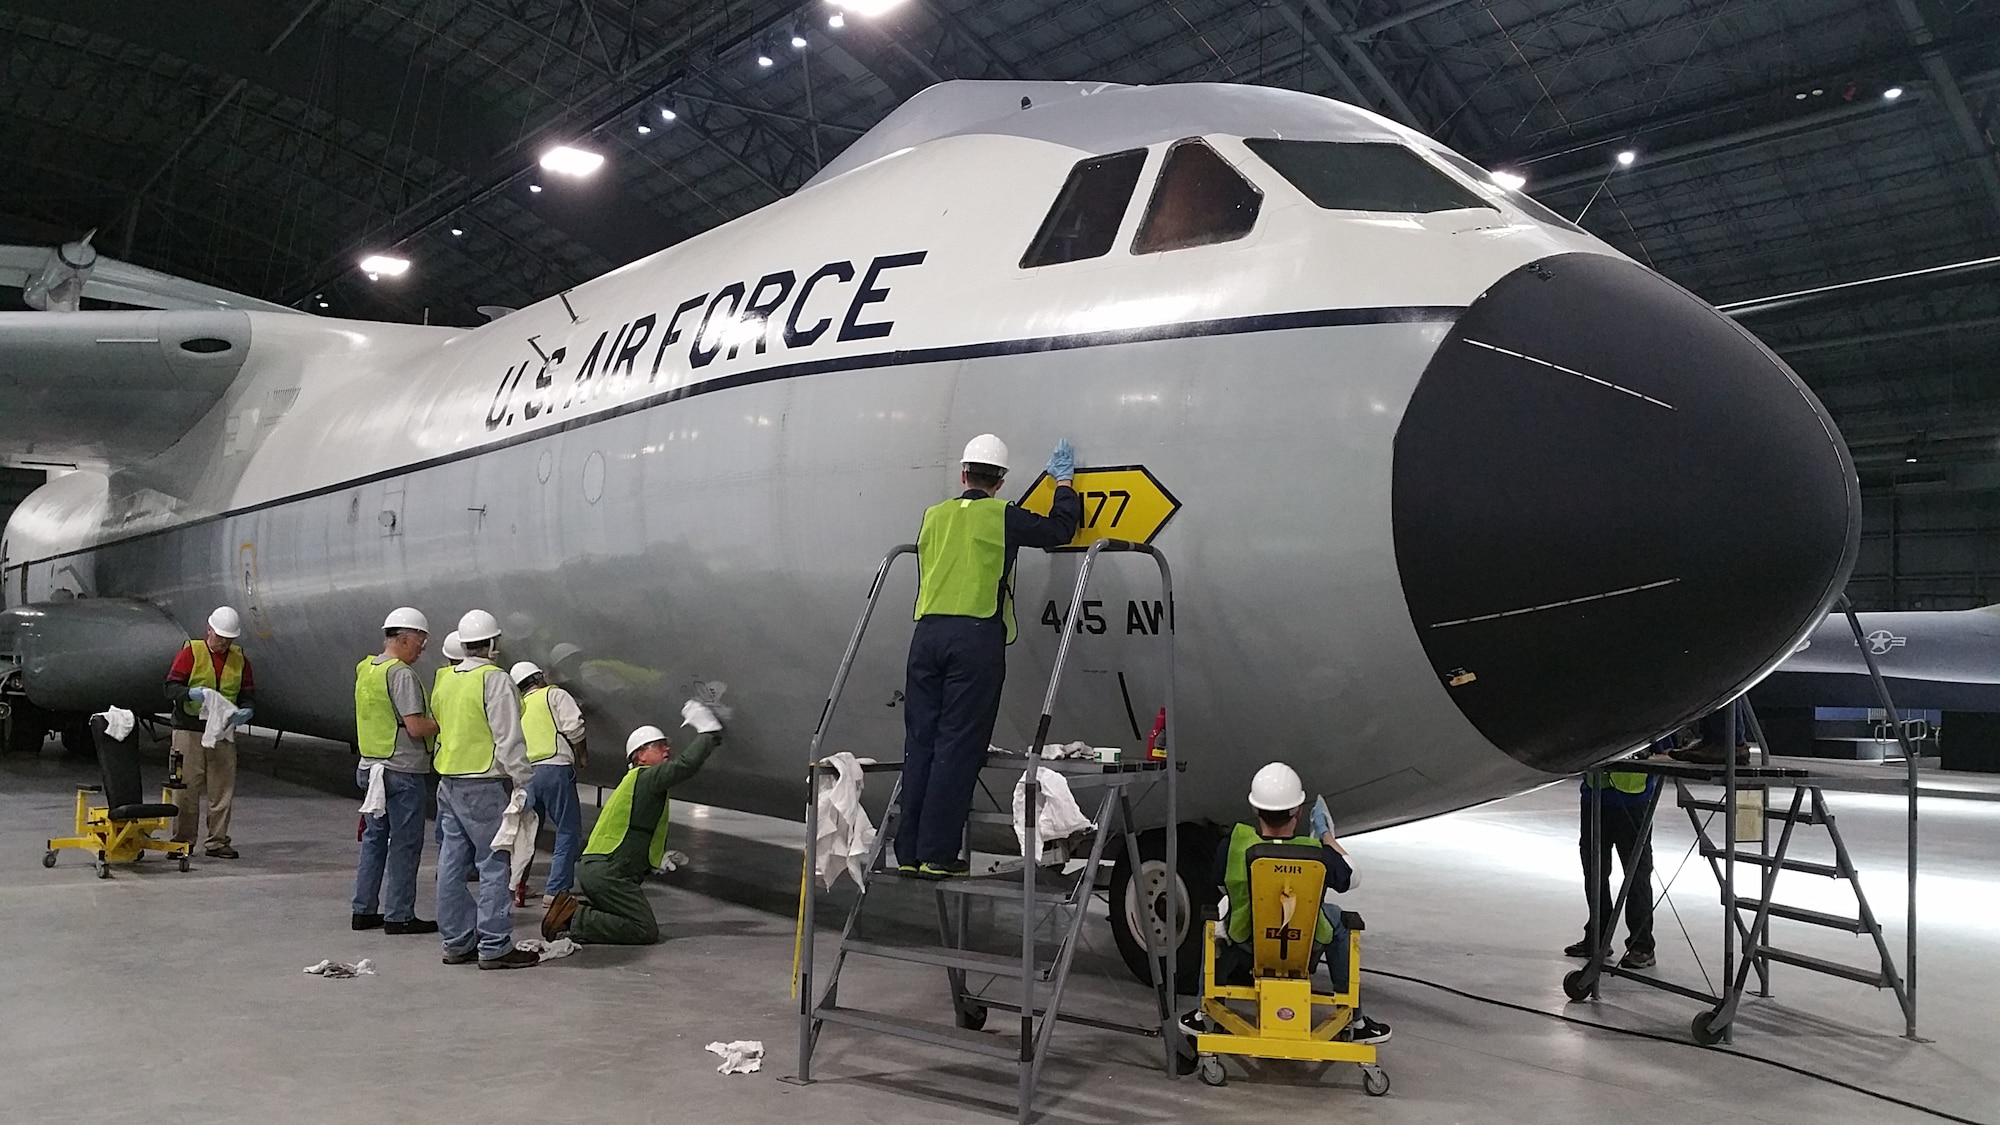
951, 697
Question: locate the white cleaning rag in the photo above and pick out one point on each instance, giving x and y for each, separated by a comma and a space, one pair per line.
376, 803
218, 714
672, 861
117, 722
548, 950
517, 836
845, 833
341, 970
1056, 813
739, 1056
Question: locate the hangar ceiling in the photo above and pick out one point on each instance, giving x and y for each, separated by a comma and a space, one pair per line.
263, 146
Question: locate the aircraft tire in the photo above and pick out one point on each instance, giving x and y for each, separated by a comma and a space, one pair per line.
1196, 847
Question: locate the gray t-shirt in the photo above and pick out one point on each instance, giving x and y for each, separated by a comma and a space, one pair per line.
407, 696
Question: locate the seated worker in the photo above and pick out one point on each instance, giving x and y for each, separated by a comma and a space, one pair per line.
1279, 799
630, 838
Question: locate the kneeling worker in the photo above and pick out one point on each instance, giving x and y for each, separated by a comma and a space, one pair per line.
630, 839
1279, 797
553, 725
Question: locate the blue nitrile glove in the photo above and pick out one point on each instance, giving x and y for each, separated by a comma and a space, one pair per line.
197, 694
1322, 821
1062, 463
241, 716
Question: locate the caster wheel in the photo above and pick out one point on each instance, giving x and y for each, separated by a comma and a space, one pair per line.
1211, 1072
48, 859
104, 871
1705, 1034
973, 1018
184, 863
1374, 1081
1576, 985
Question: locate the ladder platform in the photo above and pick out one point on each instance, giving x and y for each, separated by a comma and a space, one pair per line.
923, 1031
1805, 866
1801, 914
970, 960
1874, 977
1770, 813
1050, 889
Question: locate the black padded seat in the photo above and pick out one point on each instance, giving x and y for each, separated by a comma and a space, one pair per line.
143, 811
123, 789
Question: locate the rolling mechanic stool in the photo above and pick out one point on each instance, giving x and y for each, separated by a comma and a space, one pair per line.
1287, 882
121, 830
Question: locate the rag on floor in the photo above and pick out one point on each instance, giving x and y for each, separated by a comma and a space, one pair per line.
516, 837
739, 1056
341, 970
1057, 816
548, 950
376, 803
672, 861
845, 833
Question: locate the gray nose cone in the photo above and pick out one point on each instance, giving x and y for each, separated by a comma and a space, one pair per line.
1613, 508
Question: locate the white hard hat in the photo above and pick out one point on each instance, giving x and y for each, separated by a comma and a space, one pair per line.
477, 625
522, 671
226, 623
453, 650
1276, 788
986, 449
562, 652
406, 618
640, 739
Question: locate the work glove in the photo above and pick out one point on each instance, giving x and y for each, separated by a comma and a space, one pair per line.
696, 714
197, 694
1322, 821
241, 716
1062, 463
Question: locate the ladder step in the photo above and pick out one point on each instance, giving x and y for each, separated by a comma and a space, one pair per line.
1049, 889
1800, 914
1805, 816
997, 964
943, 1035
984, 816
1789, 864
1822, 965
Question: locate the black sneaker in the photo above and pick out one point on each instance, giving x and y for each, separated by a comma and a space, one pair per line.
410, 926
1637, 959
454, 957
1364, 1030
1193, 1024
512, 959
365, 922
1582, 949
223, 852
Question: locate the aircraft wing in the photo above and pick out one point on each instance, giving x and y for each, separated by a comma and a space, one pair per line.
112, 386
109, 279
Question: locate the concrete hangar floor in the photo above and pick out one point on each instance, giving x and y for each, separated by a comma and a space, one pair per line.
171, 997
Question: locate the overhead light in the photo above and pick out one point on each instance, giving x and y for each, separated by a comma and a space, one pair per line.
458, 232
1817, 92
668, 115
1626, 158
764, 57
572, 161
798, 41
645, 129
322, 304
380, 265
836, 21
1909, 460
868, 8
1512, 181
1892, 93
536, 188
1800, 96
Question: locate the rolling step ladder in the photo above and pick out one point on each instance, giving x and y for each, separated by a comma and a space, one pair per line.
1028, 980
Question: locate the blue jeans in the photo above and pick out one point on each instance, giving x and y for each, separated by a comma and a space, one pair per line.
552, 796
385, 878
951, 697
469, 811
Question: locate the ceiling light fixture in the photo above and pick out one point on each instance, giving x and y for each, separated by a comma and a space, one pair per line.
382, 265
868, 8
836, 21
1512, 181
645, 129
798, 41
1909, 460
1626, 158
764, 57
322, 304
568, 161
1892, 93
535, 188
458, 232
668, 115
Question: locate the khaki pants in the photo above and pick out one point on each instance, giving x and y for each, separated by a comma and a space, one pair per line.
210, 769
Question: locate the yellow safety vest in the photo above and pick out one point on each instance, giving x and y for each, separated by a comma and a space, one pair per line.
375, 718
962, 561
614, 823
1236, 880
465, 739
202, 675
1621, 780
538, 725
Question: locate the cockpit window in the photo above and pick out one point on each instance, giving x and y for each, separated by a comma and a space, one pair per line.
1364, 176
1198, 200
1084, 221
1514, 196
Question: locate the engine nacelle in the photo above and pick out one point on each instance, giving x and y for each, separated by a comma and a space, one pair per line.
59, 287
87, 654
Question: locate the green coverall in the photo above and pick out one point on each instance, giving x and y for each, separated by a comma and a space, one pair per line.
614, 865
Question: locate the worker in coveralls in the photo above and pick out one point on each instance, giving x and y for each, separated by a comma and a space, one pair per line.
630, 839
958, 656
